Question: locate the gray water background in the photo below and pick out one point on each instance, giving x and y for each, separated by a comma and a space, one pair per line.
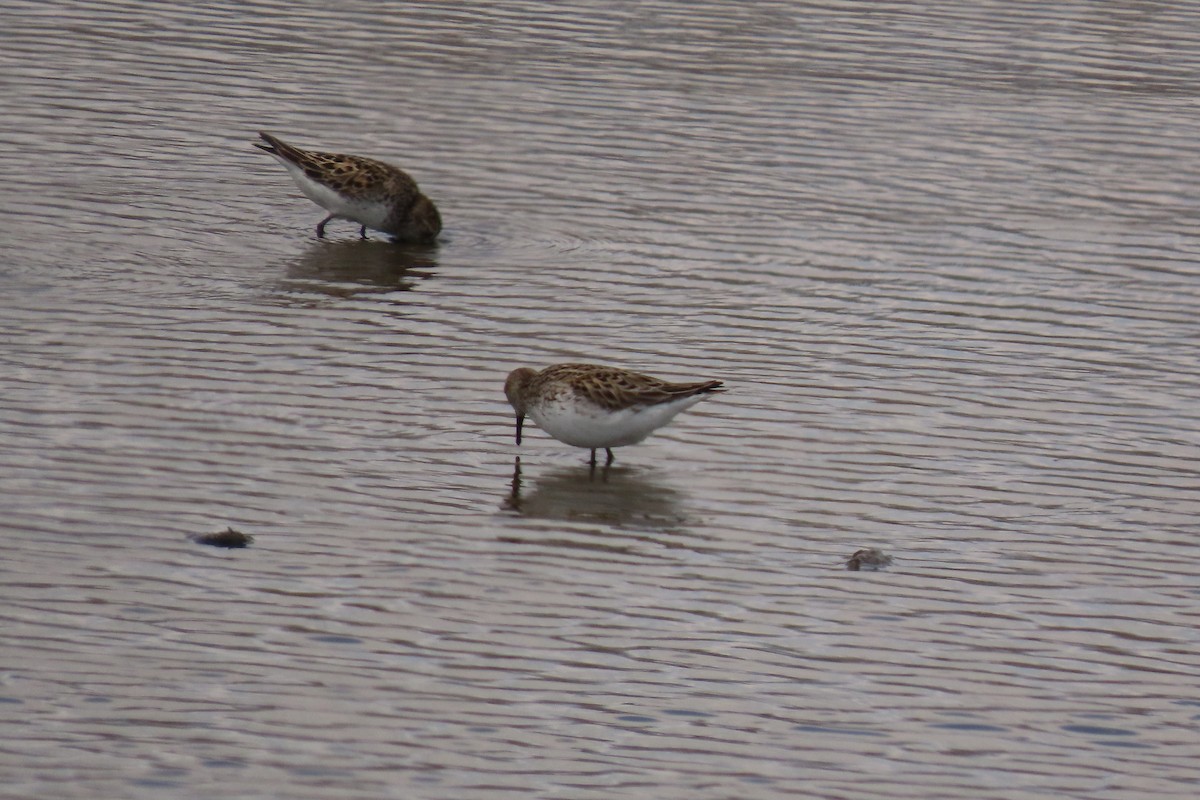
944, 256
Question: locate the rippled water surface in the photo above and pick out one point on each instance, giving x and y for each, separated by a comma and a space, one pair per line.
945, 257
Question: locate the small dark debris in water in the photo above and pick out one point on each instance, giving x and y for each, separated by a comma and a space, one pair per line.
226, 538
870, 558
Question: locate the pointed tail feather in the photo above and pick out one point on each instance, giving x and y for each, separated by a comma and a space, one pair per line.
703, 387
277, 147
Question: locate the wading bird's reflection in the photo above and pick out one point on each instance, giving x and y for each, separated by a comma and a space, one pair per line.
351, 267
615, 495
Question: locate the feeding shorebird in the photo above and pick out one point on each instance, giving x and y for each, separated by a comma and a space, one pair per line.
373, 194
590, 406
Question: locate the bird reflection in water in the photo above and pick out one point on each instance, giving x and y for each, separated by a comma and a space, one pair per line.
352, 267
610, 495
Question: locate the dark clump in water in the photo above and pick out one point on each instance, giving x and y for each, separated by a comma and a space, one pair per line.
226, 538
871, 558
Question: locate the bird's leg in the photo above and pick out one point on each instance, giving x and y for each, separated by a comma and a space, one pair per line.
593, 461
362, 232
321, 227
609, 460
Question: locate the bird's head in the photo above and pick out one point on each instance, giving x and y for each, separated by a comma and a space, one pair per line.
515, 388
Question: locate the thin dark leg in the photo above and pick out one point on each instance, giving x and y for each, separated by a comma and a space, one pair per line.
593, 461
609, 460
362, 232
321, 227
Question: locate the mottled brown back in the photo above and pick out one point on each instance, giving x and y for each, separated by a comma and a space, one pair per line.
354, 176
614, 389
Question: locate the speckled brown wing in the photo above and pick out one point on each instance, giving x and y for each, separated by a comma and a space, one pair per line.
359, 178
354, 176
615, 389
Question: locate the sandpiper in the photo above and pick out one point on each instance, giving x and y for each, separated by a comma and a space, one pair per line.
373, 194
591, 406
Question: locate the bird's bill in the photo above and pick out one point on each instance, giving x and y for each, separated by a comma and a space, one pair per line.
520, 424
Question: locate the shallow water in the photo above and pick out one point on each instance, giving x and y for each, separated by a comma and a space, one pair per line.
944, 258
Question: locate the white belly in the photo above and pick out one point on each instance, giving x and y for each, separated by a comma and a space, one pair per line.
584, 425
373, 215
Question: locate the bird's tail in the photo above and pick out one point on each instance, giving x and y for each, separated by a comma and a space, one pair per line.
703, 387
279, 148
